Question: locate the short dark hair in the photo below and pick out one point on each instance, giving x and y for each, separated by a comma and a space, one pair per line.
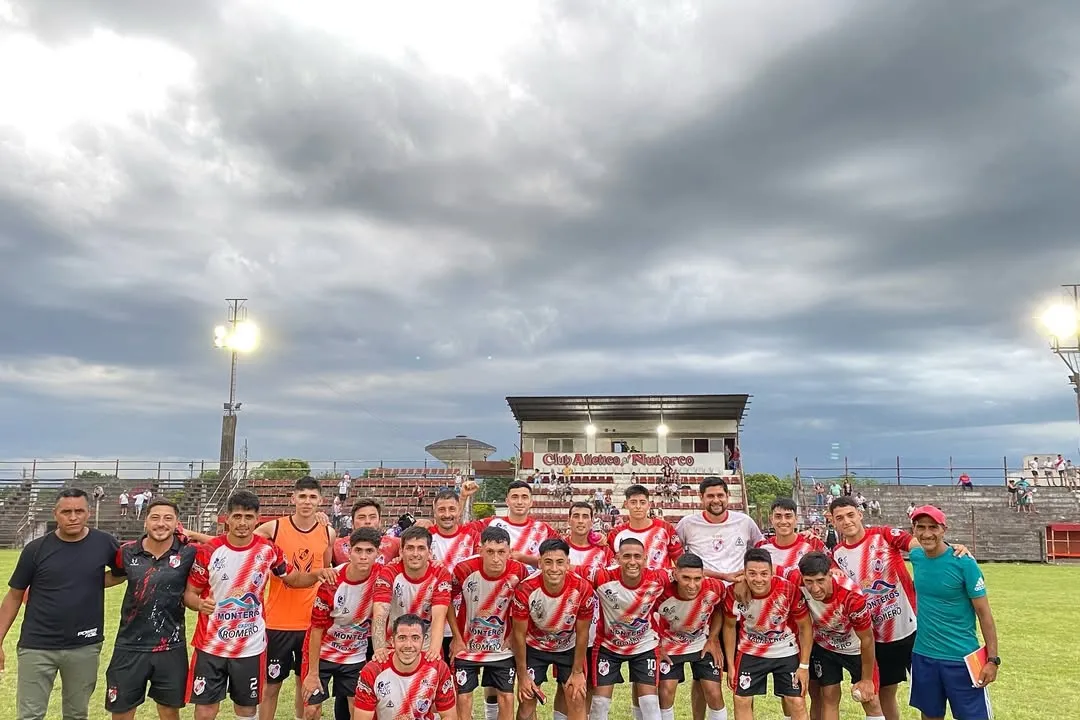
635, 490
494, 535
410, 619
366, 535
554, 545
242, 500
415, 532
446, 495
518, 485
307, 483
711, 482
366, 502
73, 492
784, 503
160, 501
757, 555
843, 501
690, 560
630, 541
580, 505
815, 563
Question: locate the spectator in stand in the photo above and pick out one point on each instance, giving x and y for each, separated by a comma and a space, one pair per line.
335, 511
343, 486
140, 501
1010, 486
875, 508
598, 501
1033, 467
124, 501
419, 493
1070, 472
965, 482
848, 489
910, 509
1059, 468
1048, 471
860, 500
834, 489
1025, 496
819, 494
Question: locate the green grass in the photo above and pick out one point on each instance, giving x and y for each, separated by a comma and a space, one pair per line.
1034, 605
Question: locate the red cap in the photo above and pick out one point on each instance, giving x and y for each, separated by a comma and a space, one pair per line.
931, 512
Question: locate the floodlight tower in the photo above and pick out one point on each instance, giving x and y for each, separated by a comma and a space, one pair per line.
1061, 322
239, 336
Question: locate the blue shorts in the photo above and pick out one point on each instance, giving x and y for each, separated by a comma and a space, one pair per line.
933, 682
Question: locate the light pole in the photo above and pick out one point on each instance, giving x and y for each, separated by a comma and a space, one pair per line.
239, 336
1062, 323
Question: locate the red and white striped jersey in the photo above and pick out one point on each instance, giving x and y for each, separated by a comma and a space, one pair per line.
587, 561
552, 619
766, 624
837, 619
235, 578
684, 624
406, 595
785, 558
389, 550
662, 545
626, 624
449, 550
419, 695
524, 538
484, 617
343, 611
876, 564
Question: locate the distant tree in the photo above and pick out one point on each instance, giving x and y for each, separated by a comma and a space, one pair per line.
209, 475
481, 510
493, 489
763, 488
92, 475
282, 469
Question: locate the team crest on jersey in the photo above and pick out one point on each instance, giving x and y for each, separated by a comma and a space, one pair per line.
462, 677
219, 562
602, 667
340, 599
273, 670
174, 561
382, 688
422, 706
537, 608
656, 556
113, 693
744, 681
303, 559
817, 669
257, 579
878, 566
532, 674
718, 542
198, 686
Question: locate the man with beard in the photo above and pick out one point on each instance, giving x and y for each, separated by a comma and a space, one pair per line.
487, 583
367, 513
787, 546
690, 619
406, 683
451, 543
339, 640
552, 612
627, 596
150, 642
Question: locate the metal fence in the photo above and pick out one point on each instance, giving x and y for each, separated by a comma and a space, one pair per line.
897, 473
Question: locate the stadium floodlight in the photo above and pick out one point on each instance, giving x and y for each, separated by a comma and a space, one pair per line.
238, 336
1060, 321
590, 430
243, 337
662, 430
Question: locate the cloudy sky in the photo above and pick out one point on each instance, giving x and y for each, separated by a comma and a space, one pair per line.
852, 211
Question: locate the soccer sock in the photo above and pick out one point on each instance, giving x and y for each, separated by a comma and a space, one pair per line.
635, 709
667, 713
650, 707
556, 715
598, 710
875, 717
720, 714
491, 708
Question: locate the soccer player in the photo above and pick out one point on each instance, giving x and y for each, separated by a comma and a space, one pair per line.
586, 556
308, 547
367, 513
150, 642
225, 586
843, 637
526, 533
873, 558
787, 546
951, 592
451, 543
662, 544
690, 620
411, 585
340, 635
627, 595
759, 641
552, 613
487, 583
406, 683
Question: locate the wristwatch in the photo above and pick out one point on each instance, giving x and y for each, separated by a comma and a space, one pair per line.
996, 660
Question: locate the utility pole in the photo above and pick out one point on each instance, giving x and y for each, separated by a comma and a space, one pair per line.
1068, 348
237, 314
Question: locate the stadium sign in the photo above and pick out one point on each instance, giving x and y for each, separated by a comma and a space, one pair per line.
624, 462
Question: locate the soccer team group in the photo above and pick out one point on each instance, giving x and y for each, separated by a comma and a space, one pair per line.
407, 628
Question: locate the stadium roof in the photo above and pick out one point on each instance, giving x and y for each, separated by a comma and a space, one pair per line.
629, 407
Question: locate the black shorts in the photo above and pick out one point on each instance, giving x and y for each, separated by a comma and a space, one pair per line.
211, 677
607, 667
446, 651
827, 667
752, 673
701, 667
894, 660
498, 674
130, 670
344, 677
538, 661
284, 654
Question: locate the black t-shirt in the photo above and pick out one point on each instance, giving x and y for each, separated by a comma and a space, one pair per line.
152, 616
65, 606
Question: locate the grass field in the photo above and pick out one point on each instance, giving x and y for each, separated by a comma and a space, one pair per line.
1035, 609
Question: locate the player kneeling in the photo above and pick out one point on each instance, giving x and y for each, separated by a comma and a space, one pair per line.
339, 641
691, 618
763, 643
843, 637
552, 612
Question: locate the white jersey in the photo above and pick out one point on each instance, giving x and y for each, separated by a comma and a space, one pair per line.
720, 545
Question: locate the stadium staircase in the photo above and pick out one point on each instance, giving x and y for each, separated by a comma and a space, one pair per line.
979, 518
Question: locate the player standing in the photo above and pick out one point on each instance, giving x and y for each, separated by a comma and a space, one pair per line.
412, 585
406, 685
787, 546
627, 596
759, 641
552, 613
662, 544
587, 553
225, 586
150, 643
339, 640
451, 543
367, 513
843, 637
487, 583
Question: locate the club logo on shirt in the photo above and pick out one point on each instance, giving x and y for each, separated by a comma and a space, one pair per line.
878, 566
718, 543
602, 667
382, 688
174, 561
422, 706
113, 694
